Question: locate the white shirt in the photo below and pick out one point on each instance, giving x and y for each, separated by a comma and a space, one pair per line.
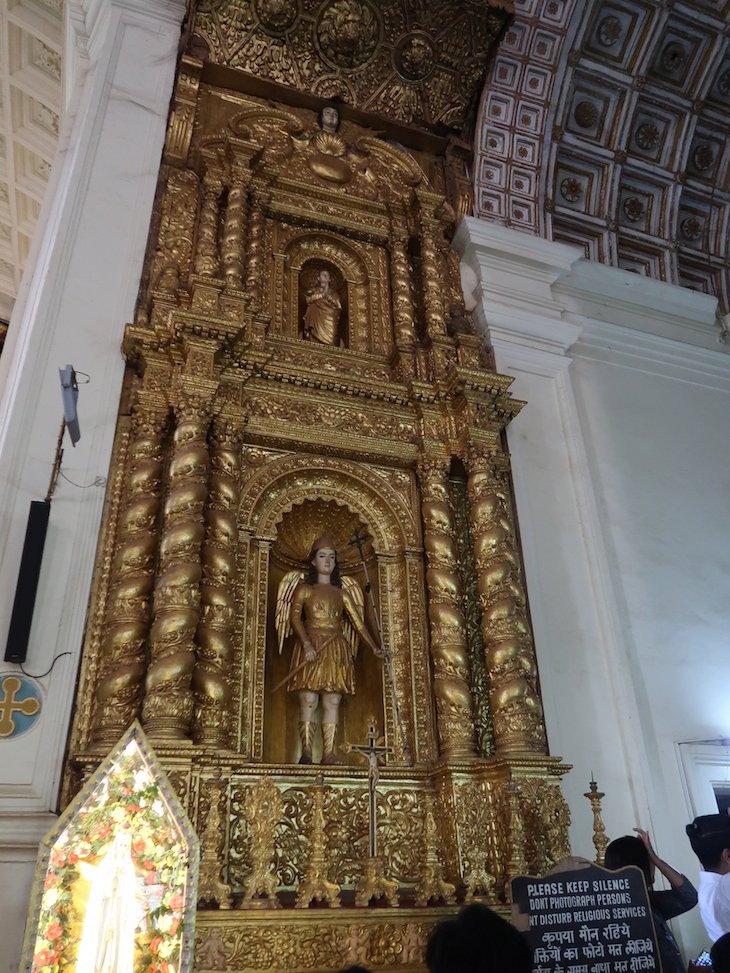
714, 901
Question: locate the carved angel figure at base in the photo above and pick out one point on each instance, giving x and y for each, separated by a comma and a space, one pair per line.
326, 613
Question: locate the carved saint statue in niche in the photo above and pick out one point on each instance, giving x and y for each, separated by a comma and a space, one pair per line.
322, 317
326, 613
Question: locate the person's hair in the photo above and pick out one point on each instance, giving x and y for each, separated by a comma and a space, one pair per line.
628, 850
720, 954
709, 836
477, 941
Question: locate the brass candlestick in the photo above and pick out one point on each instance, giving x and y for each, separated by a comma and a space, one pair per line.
431, 883
517, 864
599, 831
314, 886
263, 810
211, 890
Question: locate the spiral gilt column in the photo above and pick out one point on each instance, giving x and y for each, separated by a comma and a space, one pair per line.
168, 707
122, 653
510, 654
215, 647
454, 710
232, 244
432, 274
256, 245
401, 286
206, 254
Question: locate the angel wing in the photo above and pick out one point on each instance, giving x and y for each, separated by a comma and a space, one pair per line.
284, 598
357, 599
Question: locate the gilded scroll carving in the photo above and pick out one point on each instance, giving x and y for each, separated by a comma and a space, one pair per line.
172, 260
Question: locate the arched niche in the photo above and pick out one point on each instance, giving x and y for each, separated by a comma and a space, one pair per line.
287, 504
363, 291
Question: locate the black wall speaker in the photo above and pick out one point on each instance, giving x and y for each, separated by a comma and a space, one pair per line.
30, 569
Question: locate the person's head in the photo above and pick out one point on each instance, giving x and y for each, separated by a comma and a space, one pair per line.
324, 277
323, 562
477, 941
629, 850
329, 117
709, 836
720, 954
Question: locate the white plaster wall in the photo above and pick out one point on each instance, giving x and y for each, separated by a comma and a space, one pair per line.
77, 294
621, 480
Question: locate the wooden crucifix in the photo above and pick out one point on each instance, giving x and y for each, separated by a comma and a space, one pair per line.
372, 751
373, 884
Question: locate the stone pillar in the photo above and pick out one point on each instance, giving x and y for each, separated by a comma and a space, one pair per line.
168, 706
215, 647
510, 655
454, 710
122, 653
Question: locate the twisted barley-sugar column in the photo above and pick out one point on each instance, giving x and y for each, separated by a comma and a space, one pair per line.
454, 710
168, 706
214, 638
256, 244
234, 227
206, 255
432, 275
510, 655
122, 653
400, 277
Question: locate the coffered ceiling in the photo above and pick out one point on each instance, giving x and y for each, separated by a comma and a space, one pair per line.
605, 124
30, 100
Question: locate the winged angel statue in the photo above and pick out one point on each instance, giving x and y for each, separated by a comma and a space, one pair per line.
326, 614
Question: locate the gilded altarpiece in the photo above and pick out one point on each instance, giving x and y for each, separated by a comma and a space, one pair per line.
300, 364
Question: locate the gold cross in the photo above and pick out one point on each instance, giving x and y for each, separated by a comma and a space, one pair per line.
9, 705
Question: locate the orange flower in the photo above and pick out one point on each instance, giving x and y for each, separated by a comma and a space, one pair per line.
150, 878
53, 931
155, 945
42, 958
139, 845
173, 927
176, 901
51, 879
58, 859
148, 865
72, 858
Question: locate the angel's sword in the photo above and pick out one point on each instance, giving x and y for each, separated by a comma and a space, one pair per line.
358, 540
301, 665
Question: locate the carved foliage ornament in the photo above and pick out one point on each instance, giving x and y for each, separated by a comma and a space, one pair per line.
347, 33
376, 56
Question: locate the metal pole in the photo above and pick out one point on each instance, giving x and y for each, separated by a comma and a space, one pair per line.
358, 540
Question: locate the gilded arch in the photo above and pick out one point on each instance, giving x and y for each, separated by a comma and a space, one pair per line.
363, 276
268, 497
278, 486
